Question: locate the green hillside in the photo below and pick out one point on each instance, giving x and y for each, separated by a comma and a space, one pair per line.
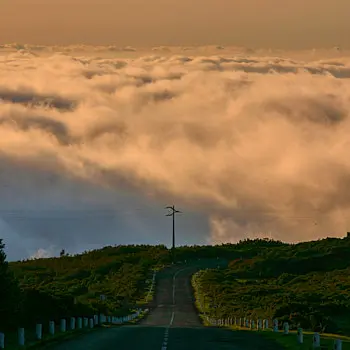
307, 284
72, 285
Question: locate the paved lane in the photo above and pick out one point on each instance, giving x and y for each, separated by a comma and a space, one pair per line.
174, 304
172, 324
126, 337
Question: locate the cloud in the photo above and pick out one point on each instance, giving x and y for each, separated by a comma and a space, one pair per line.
257, 145
44, 253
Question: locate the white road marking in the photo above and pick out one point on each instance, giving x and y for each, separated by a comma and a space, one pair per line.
174, 279
172, 318
165, 340
166, 333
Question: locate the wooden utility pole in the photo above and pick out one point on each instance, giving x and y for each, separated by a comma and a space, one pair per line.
173, 212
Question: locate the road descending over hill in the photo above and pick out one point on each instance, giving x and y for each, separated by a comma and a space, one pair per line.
172, 324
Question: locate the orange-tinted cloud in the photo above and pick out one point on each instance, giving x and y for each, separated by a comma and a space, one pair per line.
259, 145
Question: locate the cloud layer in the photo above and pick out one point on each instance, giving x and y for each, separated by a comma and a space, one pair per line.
257, 145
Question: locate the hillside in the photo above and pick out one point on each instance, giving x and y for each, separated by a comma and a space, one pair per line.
63, 286
70, 285
307, 284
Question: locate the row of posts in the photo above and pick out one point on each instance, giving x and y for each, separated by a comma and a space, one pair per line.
264, 324
78, 323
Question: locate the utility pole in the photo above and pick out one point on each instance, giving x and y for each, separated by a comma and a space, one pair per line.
173, 212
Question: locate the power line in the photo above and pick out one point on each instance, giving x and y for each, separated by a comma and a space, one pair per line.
63, 214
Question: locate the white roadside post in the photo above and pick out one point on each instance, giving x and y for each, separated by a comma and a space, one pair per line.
275, 325
21, 338
52, 328
92, 323
2, 341
337, 344
86, 322
79, 323
285, 328
252, 324
316, 340
63, 325
39, 331
266, 324
72, 323
300, 336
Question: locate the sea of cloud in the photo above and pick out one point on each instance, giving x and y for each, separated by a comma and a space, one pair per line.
258, 145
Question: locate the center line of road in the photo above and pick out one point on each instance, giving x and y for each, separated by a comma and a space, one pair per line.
166, 333
174, 280
165, 340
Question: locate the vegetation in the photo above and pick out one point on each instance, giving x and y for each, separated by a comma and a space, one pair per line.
40, 290
9, 291
306, 284
289, 342
50, 289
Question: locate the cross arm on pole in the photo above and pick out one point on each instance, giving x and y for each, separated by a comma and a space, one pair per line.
172, 212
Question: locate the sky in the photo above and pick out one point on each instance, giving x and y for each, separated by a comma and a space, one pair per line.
111, 111
288, 24
246, 145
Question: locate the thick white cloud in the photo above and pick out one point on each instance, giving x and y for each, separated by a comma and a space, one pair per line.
258, 145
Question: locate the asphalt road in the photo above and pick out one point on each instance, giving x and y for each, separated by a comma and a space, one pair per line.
172, 324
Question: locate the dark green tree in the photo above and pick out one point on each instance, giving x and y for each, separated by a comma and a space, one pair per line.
9, 292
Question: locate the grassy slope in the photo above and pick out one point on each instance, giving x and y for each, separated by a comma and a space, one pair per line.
306, 283
71, 286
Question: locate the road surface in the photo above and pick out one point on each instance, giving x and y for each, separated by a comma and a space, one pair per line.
172, 324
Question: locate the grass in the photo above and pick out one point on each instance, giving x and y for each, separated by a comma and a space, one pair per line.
11, 338
289, 342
